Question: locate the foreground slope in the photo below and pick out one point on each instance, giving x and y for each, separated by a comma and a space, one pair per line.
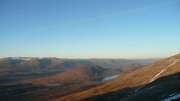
136, 79
160, 89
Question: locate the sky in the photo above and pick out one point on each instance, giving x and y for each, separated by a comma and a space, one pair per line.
89, 28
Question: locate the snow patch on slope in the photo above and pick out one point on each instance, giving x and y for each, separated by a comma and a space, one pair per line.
174, 97
110, 77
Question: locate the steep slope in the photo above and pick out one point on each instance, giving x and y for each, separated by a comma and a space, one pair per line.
157, 90
135, 79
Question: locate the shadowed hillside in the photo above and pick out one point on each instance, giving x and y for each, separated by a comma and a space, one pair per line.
158, 90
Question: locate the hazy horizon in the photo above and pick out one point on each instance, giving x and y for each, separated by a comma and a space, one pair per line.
123, 29
81, 58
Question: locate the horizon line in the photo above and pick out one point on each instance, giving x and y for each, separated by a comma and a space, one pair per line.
79, 58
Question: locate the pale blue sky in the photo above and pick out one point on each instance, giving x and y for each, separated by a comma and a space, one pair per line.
90, 28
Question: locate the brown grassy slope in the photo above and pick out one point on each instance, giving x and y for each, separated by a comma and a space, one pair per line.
131, 67
157, 90
136, 78
78, 74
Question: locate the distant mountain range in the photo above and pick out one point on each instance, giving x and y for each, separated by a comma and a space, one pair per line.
13, 69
